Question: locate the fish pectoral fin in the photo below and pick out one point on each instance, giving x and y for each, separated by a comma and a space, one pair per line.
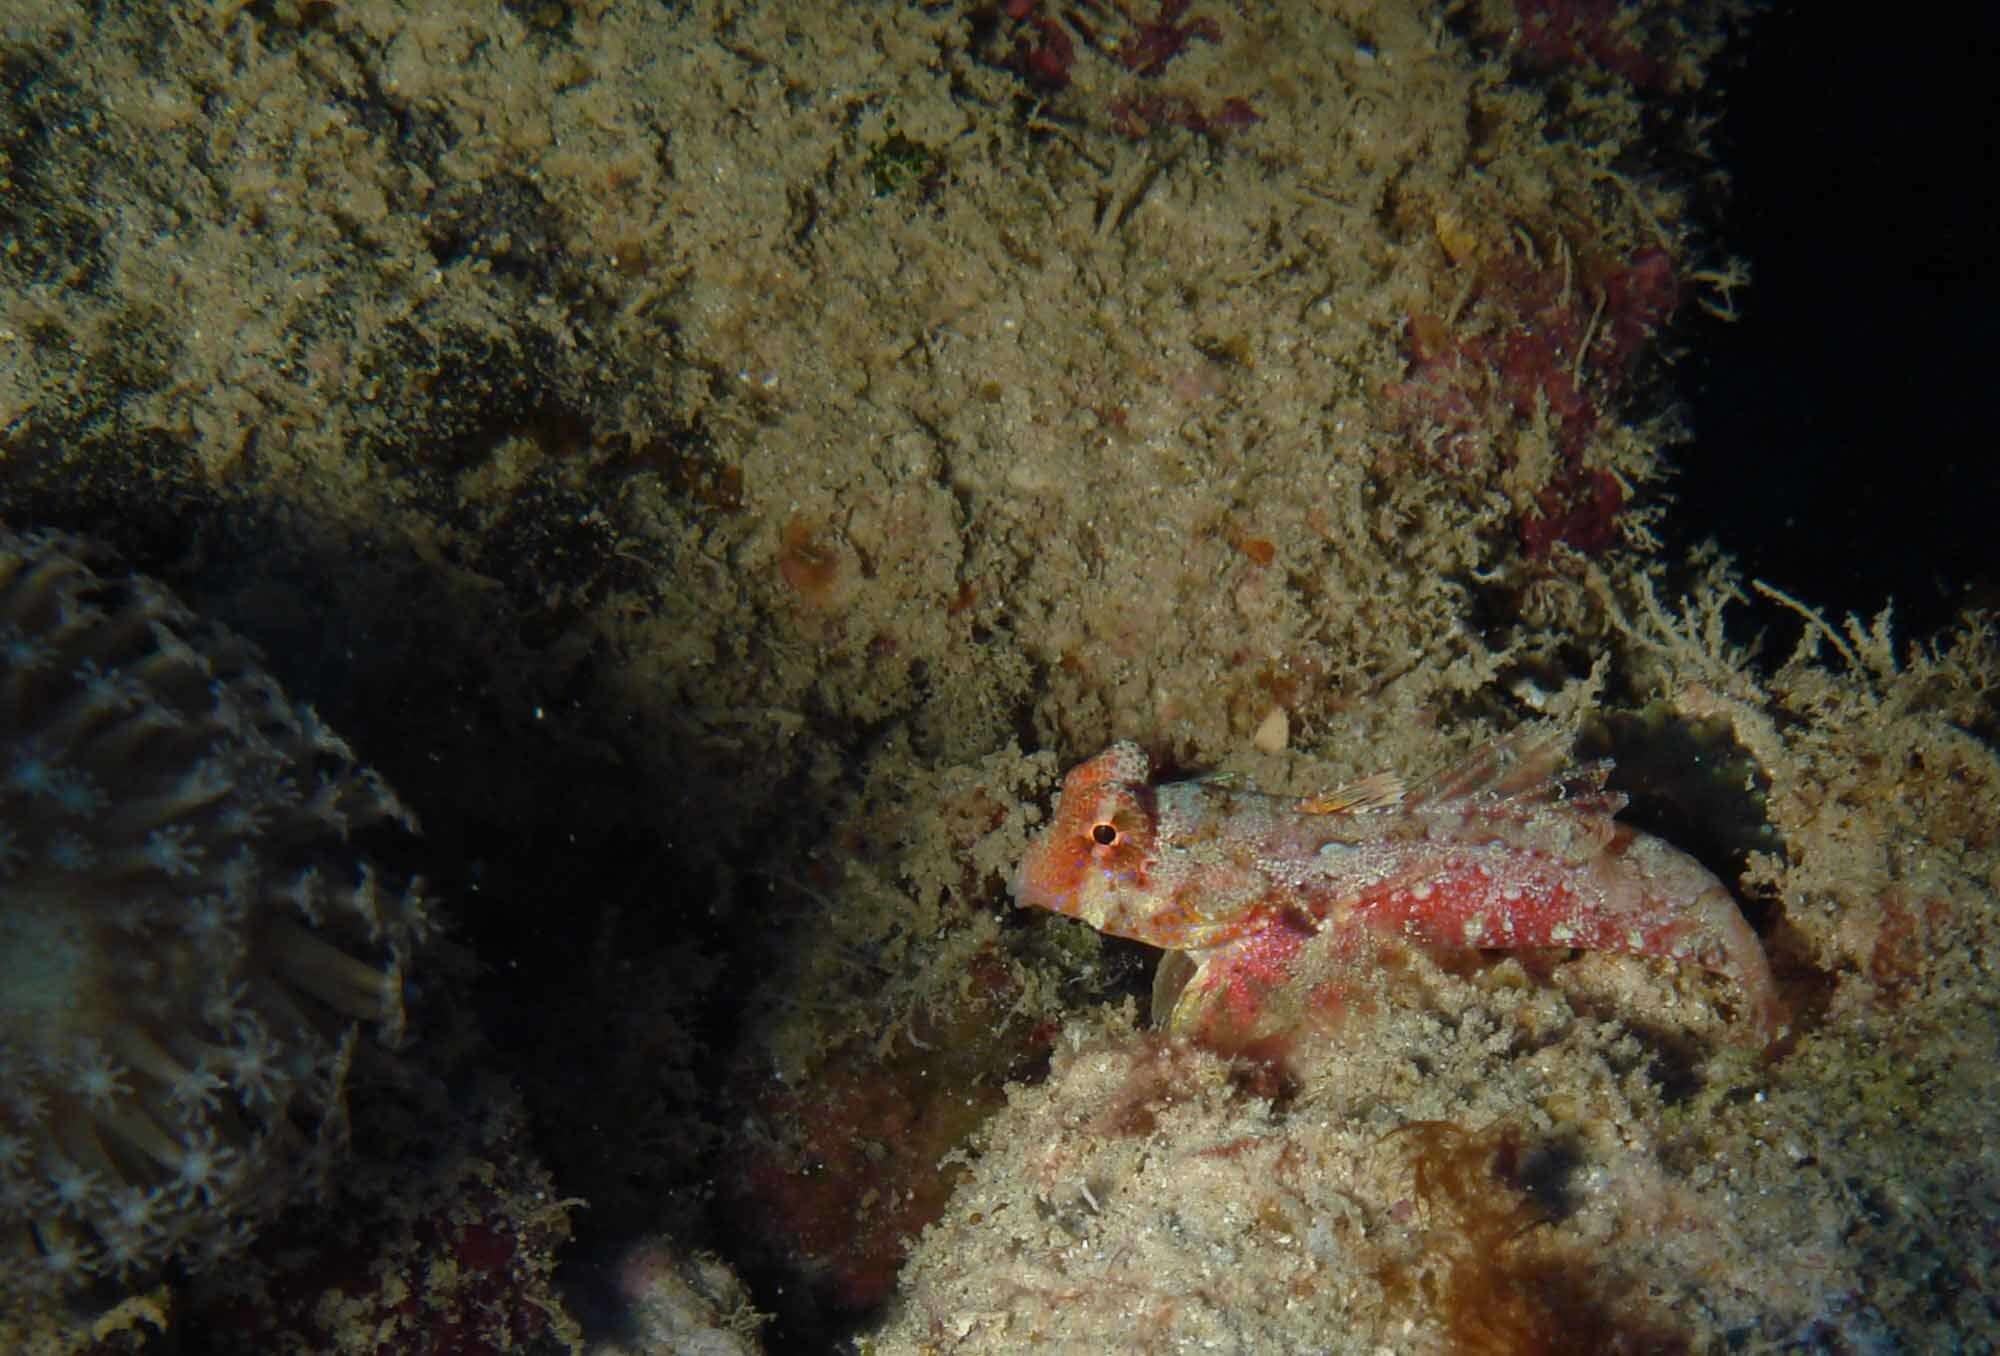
1176, 968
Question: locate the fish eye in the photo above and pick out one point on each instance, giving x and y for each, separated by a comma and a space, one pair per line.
1105, 835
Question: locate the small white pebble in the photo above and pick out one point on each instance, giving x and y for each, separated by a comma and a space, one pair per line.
1274, 732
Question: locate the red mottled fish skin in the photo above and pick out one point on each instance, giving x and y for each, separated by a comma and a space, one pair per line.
1269, 896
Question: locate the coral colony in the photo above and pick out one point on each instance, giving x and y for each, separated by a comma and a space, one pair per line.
189, 946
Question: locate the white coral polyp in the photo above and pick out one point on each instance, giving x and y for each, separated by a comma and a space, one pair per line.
97, 1077
188, 946
204, 1168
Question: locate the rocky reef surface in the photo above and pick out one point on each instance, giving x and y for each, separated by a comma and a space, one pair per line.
720, 462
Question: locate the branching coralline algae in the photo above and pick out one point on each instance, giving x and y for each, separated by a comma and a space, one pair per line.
190, 947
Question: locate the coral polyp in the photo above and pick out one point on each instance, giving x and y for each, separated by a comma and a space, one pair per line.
190, 944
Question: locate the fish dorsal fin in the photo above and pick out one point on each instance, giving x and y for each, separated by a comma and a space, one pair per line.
1526, 767
1382, 791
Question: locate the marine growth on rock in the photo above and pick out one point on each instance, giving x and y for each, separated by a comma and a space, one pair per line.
190, 945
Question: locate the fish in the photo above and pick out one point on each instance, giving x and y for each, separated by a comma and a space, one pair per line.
1271, 907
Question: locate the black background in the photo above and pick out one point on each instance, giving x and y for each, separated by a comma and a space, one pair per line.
1847, 429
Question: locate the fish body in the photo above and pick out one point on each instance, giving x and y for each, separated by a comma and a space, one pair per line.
1271, 901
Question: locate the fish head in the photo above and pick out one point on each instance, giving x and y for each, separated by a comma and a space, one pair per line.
1095, 859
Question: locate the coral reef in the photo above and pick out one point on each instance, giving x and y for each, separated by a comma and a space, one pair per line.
680, 1305
191, 944
840, 1169
1150, 1197
1483, 1159
446, 1243
722, 460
